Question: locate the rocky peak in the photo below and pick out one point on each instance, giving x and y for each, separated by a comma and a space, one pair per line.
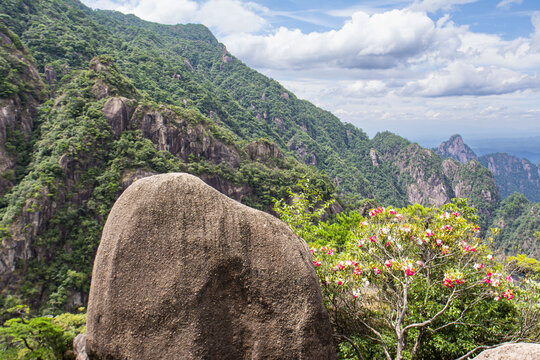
456, 149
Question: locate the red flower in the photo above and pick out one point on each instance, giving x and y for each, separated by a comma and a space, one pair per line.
409, 272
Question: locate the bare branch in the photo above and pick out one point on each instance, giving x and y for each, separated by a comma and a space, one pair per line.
427, 322
352, 344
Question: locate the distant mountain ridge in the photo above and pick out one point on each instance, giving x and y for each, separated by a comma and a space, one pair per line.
511, 173
456, 149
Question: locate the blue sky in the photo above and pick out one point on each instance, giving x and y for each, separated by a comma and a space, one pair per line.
424, 69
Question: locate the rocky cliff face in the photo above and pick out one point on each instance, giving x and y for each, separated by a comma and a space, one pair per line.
456, 149
100, 136
430, 180
21, 91
511, 174
514, 175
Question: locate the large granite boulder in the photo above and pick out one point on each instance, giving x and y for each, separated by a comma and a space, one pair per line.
519, 351
183, 272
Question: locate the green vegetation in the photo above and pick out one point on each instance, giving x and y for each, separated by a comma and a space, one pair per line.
23, 336
519, 221
73, 163
416, 282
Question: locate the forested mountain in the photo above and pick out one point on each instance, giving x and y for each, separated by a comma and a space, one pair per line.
519, 221
511, 174
93, 100
514, 175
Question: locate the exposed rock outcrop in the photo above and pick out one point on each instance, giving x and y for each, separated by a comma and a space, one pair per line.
424, 184
182, 271
514, 175
520, 351
456, 149
79, 347
18, 104
263, 151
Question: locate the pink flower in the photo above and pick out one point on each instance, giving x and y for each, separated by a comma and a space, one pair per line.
409, 272
455, 213
387, 244
487, 280
376, 271
340, 282
508, 294
312, 251
316, 263
497, 298
357, 271
489, 257
392, 212
429, 232
330, 252
356, 293
447, 227
445, 250
448, 282
438, 242
509, 279
399, 217
388, 263
479, 266
373, 238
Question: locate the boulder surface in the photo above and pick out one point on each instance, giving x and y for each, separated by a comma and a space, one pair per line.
183, 272
519, 351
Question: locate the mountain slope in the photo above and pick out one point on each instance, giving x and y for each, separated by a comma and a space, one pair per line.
123, 98
514, 175
519, 221
511, 174
456, 149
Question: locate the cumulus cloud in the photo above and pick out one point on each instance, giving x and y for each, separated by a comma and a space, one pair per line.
458, 79
508, 3
365, 41
364, 88
223, 16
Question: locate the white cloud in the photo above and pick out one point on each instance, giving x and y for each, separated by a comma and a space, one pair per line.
377, 41
364, 88
507, 3
459, 79
223, 16
435, 5
229, 16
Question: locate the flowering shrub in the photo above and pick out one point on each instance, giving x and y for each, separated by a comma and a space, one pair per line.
410, 280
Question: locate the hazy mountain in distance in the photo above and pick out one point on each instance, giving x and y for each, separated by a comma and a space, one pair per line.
525, 147
512, 174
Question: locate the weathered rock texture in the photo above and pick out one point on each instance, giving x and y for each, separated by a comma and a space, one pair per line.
456, 149
79, 347
521, 351
183, 272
